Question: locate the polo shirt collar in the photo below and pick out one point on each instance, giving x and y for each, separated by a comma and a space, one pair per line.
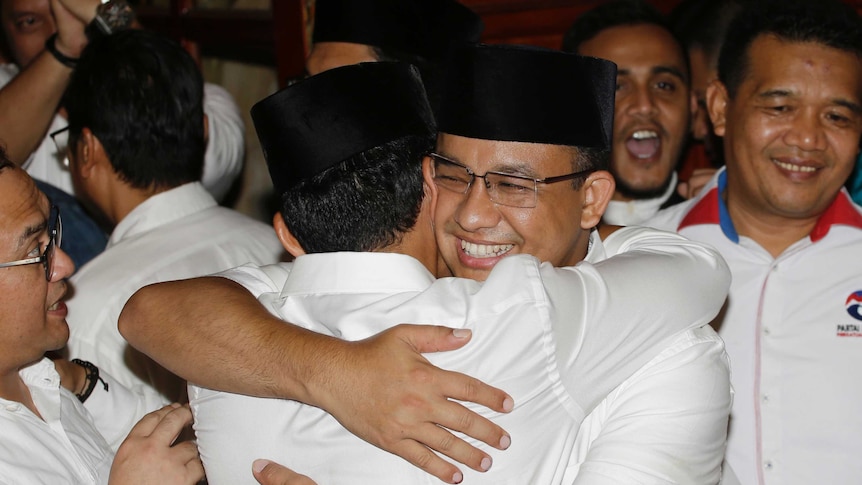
711, 209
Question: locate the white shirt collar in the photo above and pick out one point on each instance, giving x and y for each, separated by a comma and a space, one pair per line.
162, 209
349, 272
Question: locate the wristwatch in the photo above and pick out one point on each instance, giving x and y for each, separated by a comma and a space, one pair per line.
111, 16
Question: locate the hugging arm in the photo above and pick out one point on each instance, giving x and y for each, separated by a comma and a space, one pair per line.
213, 332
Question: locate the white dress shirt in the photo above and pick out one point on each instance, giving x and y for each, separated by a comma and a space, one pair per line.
62, 447
176, 234
222, 161
557, 340
792, 329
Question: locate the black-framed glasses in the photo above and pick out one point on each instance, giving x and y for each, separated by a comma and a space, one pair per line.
55, 233
503, 188
62, 144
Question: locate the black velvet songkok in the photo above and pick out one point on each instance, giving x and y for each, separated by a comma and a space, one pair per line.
528, 94
323, 120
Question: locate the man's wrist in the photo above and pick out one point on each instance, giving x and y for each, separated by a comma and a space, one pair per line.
60, 53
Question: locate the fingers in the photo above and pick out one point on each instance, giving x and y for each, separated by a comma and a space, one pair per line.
172, 424
432, 338
457, 417
163, 424
421, 457
270, 473
148, 423
682, 190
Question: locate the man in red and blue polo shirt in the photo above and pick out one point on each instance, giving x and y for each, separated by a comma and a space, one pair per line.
789, 106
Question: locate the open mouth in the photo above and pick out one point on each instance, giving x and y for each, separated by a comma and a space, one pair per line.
485, 250
643, 144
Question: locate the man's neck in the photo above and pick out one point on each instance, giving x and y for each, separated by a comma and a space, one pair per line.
773, 232
125, 199
13, 388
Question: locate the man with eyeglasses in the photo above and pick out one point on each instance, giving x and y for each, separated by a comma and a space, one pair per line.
48, 436
533, 142
136, 159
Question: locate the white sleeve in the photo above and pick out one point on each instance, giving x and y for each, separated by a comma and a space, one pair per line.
667, 424
259, 280
226, 141
116, 408
615, 315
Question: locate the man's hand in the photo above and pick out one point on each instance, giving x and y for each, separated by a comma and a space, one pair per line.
270, 473
387, 393
147, 457
71, 38
699, 178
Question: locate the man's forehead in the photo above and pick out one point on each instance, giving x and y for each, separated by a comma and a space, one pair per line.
531, 159
22, 206
775, 81
19, 6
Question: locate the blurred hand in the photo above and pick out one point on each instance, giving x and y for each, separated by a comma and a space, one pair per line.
148, 457
71, 38
699, 178
270, 473
83, 10
388, 394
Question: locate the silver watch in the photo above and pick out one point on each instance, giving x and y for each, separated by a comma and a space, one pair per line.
113, 15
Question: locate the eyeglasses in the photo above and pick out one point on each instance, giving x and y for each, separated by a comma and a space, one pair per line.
55, 231
61, 145
504, 189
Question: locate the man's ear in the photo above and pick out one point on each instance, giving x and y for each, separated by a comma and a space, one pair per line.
598, 189
428, 184
90, 154
288, 240
716, 103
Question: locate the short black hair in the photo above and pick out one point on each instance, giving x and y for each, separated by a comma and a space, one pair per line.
141, 94
612, 14
701, 24
831, 23
364, 203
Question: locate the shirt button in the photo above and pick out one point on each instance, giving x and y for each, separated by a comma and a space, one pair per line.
12, 407
766, 331
767, 465
766, 398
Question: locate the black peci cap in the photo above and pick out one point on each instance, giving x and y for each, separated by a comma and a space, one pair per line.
528, 94
320, 121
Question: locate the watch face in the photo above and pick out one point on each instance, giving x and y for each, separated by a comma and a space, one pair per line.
113, 15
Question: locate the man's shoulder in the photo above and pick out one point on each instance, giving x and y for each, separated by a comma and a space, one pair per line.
259, 279
670, 218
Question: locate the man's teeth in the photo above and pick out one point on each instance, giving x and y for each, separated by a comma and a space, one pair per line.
644, 134
485, 250
54, 306
794, 168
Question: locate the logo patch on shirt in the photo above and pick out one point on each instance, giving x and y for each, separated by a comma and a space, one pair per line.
854, 309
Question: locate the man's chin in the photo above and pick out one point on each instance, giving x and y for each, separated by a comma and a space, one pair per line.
642, 192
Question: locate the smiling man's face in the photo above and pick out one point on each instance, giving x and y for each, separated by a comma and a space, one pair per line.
474, 233
792, 129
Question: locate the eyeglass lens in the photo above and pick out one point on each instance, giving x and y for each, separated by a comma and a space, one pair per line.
502, 189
